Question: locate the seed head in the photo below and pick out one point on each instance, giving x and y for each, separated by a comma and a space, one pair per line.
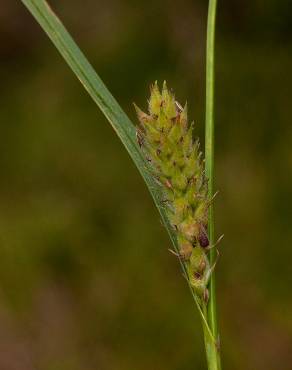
167, 140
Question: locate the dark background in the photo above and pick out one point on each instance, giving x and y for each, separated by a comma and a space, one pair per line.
86, 280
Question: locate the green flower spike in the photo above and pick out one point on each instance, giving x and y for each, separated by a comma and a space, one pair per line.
166, 139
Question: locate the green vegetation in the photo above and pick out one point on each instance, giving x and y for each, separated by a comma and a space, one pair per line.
186, 219
79, 234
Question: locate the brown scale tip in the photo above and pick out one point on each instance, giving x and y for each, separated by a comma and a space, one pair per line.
203, 238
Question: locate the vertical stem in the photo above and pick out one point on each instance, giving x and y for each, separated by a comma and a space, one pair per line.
212, 354
209, 157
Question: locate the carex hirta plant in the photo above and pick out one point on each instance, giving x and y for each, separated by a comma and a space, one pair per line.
169, 159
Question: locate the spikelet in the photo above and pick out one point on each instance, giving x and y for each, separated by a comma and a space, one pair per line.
166, 139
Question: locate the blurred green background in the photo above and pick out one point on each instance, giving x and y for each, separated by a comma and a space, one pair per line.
86, 280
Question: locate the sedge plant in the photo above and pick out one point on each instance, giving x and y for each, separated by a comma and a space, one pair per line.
169, 160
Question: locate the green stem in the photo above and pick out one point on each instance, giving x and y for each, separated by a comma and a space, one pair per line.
213, 358
211, 348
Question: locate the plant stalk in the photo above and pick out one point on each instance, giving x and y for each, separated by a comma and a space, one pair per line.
212, 349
